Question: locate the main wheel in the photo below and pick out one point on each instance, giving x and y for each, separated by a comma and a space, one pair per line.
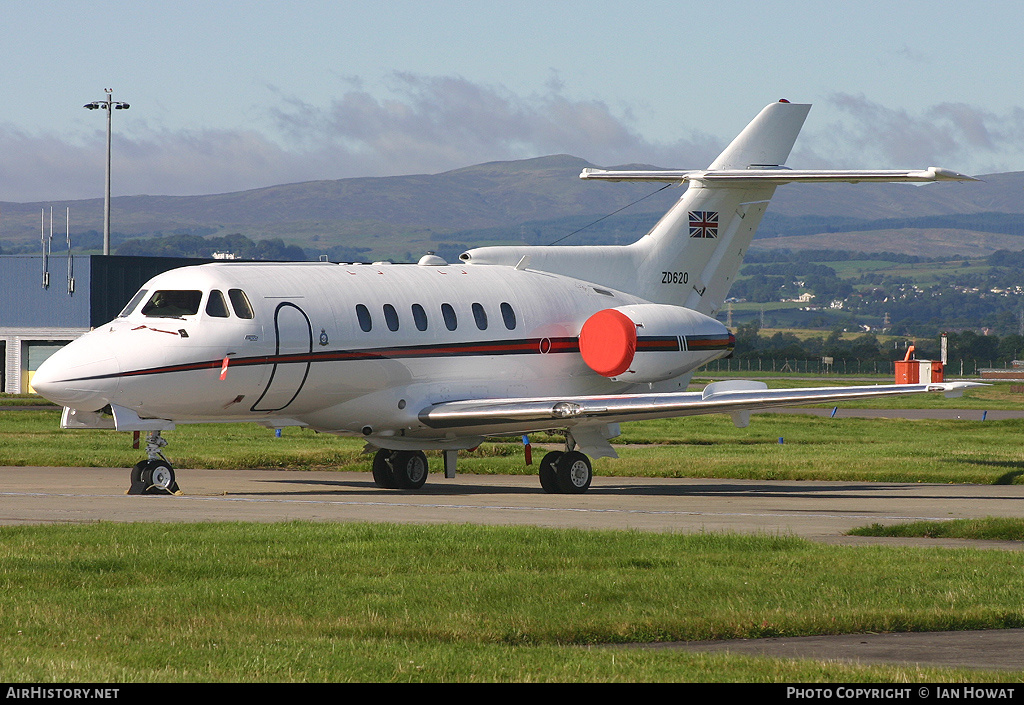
410, 469
382, 473
155, 477
573, 472
548, 476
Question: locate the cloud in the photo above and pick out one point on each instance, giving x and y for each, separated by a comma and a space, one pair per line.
429, 124
422, 124
32, 166
47, 167
954, 135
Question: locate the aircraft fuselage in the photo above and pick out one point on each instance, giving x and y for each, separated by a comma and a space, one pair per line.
355, 349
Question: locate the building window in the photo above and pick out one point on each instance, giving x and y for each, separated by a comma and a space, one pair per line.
509, 316
363, 315
451, 321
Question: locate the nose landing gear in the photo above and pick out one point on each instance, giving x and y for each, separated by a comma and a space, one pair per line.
154, 475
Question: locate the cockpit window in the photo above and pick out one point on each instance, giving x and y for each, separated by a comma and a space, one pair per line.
173, 304
240, 303
216, 306
133, 303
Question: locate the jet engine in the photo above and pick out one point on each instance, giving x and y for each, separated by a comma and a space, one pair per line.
651, 342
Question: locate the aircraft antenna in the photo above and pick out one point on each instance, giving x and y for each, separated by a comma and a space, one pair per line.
610, 214
71, 261
45, 244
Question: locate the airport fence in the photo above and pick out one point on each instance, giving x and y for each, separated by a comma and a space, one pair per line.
845, 366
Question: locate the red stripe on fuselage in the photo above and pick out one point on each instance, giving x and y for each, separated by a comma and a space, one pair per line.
530, 346
515, 347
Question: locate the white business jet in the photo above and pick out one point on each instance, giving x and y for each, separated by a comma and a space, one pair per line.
440, 356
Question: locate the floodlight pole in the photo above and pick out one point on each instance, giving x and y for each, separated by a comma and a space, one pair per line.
106, 192
109, 105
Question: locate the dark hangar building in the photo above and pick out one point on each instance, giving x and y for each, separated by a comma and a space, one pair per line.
46, 301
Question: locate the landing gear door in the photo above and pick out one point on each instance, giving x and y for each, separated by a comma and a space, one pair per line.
291, 361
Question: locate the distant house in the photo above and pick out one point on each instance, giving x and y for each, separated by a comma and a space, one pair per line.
804, 298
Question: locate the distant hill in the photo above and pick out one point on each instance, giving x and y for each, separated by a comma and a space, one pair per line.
539, 201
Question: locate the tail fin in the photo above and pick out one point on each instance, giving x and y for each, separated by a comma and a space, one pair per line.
692, 255
767, 140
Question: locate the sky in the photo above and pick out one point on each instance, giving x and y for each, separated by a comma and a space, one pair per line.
233, 95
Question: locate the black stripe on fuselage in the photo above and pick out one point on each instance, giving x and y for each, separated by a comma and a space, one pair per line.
655, 343
534, 346
530, 346
700, 343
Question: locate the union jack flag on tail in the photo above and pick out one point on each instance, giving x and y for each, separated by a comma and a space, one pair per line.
703, 224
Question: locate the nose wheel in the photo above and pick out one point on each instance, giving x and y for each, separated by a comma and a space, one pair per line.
154, 475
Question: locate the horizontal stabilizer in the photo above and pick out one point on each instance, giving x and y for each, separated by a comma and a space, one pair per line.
779, 175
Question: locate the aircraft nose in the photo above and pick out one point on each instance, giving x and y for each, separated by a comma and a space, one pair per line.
46, 381
81, 375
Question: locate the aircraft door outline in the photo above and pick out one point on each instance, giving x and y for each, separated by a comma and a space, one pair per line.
293, 334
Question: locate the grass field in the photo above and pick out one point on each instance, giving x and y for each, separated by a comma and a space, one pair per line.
358, 602
920, 273
991, 528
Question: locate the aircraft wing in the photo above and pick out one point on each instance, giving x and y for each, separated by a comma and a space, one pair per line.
780, 175
738, 397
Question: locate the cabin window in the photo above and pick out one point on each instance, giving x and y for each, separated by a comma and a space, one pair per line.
133, 303
451, 321
480, 316
173, 304
363, 316
419, 317
391, 317
216, 306
240, 303
508, 315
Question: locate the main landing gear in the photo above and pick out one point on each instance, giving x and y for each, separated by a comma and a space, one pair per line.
400, 469
561, 472
565, 472
154, 475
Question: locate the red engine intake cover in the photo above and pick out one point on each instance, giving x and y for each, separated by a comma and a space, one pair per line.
608, 342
